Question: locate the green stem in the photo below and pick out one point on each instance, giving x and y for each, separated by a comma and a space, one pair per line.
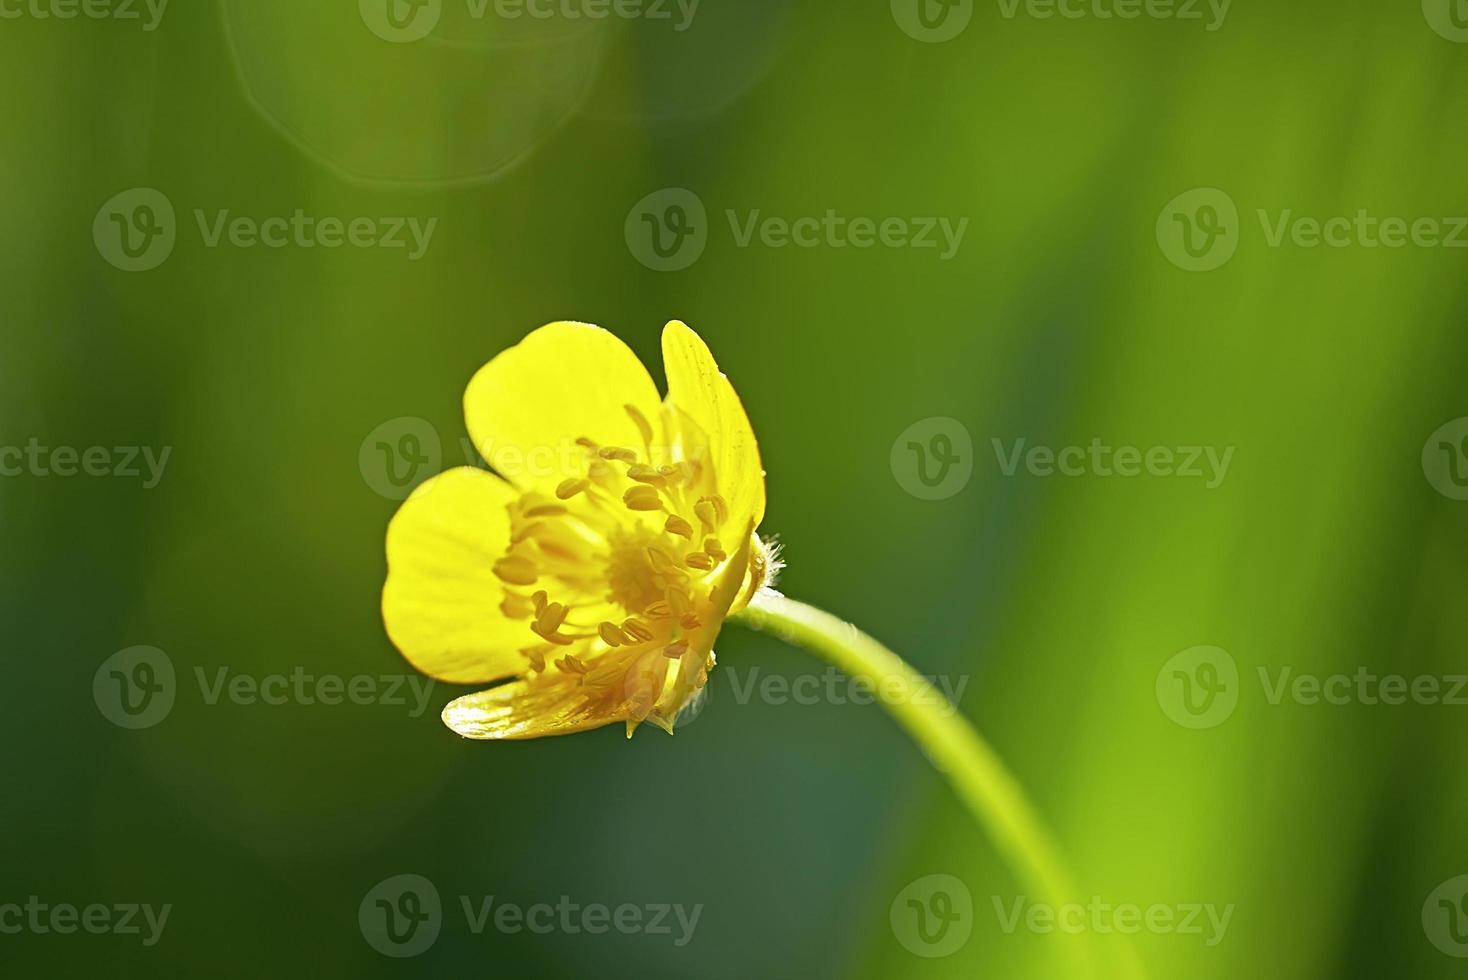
974, 770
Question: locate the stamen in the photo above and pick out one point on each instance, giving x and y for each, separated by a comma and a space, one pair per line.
547, 510
617, 453
571, 664
689, 621
536, 656
640, 420
712, 511
700, 561
611, 636
675, 650
659, 610
677, 525
567, 489
663, 562
642, 497
516, 606
637, 629
516, 570
646, 474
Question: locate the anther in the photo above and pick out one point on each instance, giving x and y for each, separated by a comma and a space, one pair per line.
713, 549
611, 636
700, 561
646, 474
567, 489
617, 453
637, 629
516, 570
642, 497
516, 606
677, 525
571, 664
675, 650
712, 511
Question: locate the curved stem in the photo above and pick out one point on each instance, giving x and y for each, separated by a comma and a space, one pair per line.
991, 793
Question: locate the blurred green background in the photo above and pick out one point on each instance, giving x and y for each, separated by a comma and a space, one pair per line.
1056, 600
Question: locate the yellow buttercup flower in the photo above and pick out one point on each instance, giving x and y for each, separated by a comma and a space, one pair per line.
601, 568
598, 569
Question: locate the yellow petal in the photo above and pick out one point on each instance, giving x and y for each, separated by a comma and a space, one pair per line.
441, 601
696, 386
546, 704
526, 408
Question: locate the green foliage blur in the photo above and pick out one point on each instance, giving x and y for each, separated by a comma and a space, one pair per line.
1055, 600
